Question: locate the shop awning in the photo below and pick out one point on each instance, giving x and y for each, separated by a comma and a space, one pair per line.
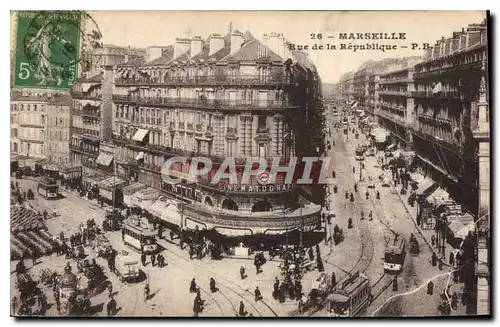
104, 159
438, 196
171, 215
157, 208
133, 188
148, 194
140, 156
140, 135
390, 147
51, 167
424, 186
111, 182
461, 230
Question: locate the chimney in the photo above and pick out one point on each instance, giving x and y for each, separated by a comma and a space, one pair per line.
153, 53
181, 46
236, 41
196, 45
277, 44
216, 43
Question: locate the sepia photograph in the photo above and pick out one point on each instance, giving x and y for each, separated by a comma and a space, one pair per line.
240, 164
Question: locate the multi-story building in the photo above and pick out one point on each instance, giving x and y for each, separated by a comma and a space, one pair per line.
58, 130
87, 123
110, 55
446, 92
360, 87
481, 131
396, 109
29, 123
346, 85
228, 96
373, 98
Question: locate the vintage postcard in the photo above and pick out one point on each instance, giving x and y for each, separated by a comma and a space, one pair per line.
250, 164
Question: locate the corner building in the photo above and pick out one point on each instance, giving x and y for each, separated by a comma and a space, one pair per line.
227, 96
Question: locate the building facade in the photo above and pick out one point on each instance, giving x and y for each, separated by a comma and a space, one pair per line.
29, 123
227, 96
481, 131
58, 130
396, 108
446, 95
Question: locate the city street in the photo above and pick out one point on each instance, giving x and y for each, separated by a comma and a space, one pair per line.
361, 250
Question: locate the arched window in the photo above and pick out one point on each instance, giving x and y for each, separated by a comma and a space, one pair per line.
208, 201
230, 205
261, 206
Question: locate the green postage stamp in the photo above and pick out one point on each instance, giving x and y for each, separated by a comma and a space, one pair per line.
47, 49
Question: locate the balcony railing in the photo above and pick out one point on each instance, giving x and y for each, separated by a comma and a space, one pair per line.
442, 94
86, 132
81, 148
87, 113
83, 95
181, 126
189, 126
203, 103
389, 92
435, 118
199, 128
209, 80
263, 130
395, 80
232, 130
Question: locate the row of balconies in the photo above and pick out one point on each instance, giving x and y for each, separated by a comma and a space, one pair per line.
203, 103
391, 116
437, 119
81, 148
395, 80
391, 92
86, 131
392, 106
84, 95
87, 113
208, 80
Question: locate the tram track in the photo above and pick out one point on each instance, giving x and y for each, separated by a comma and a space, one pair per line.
232, 289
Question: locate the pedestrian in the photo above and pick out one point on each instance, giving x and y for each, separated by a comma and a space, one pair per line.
111, 307
362, 214
430, 288
213, 289
146, 292
352, 197
300, 305
395, 285
110, 289
258, 295
367, 195
153, 260
452, 259
433, 240
440, 264
242, 311
346, 195
378, 195
242, 272
276, 288
143, 259
353, 170
370, 215
454, 301
193, 287
14, 305
349, 223
356, 187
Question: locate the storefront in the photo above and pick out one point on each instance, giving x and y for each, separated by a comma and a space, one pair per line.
110, 190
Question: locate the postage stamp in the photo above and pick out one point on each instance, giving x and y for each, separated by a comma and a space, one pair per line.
49, 48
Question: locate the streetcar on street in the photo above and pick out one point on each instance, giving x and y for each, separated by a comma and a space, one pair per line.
48, 188
350, 297
395, 253
139, 236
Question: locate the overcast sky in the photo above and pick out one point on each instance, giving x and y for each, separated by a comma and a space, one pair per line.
145, 28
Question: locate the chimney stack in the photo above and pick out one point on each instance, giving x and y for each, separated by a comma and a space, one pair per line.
196, 45
216, 43
153, 53
236, 41
277, 44
181, 46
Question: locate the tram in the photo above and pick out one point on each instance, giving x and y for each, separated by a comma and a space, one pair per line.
359, 153
139, 236
394, 255
48, 188
351, 296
